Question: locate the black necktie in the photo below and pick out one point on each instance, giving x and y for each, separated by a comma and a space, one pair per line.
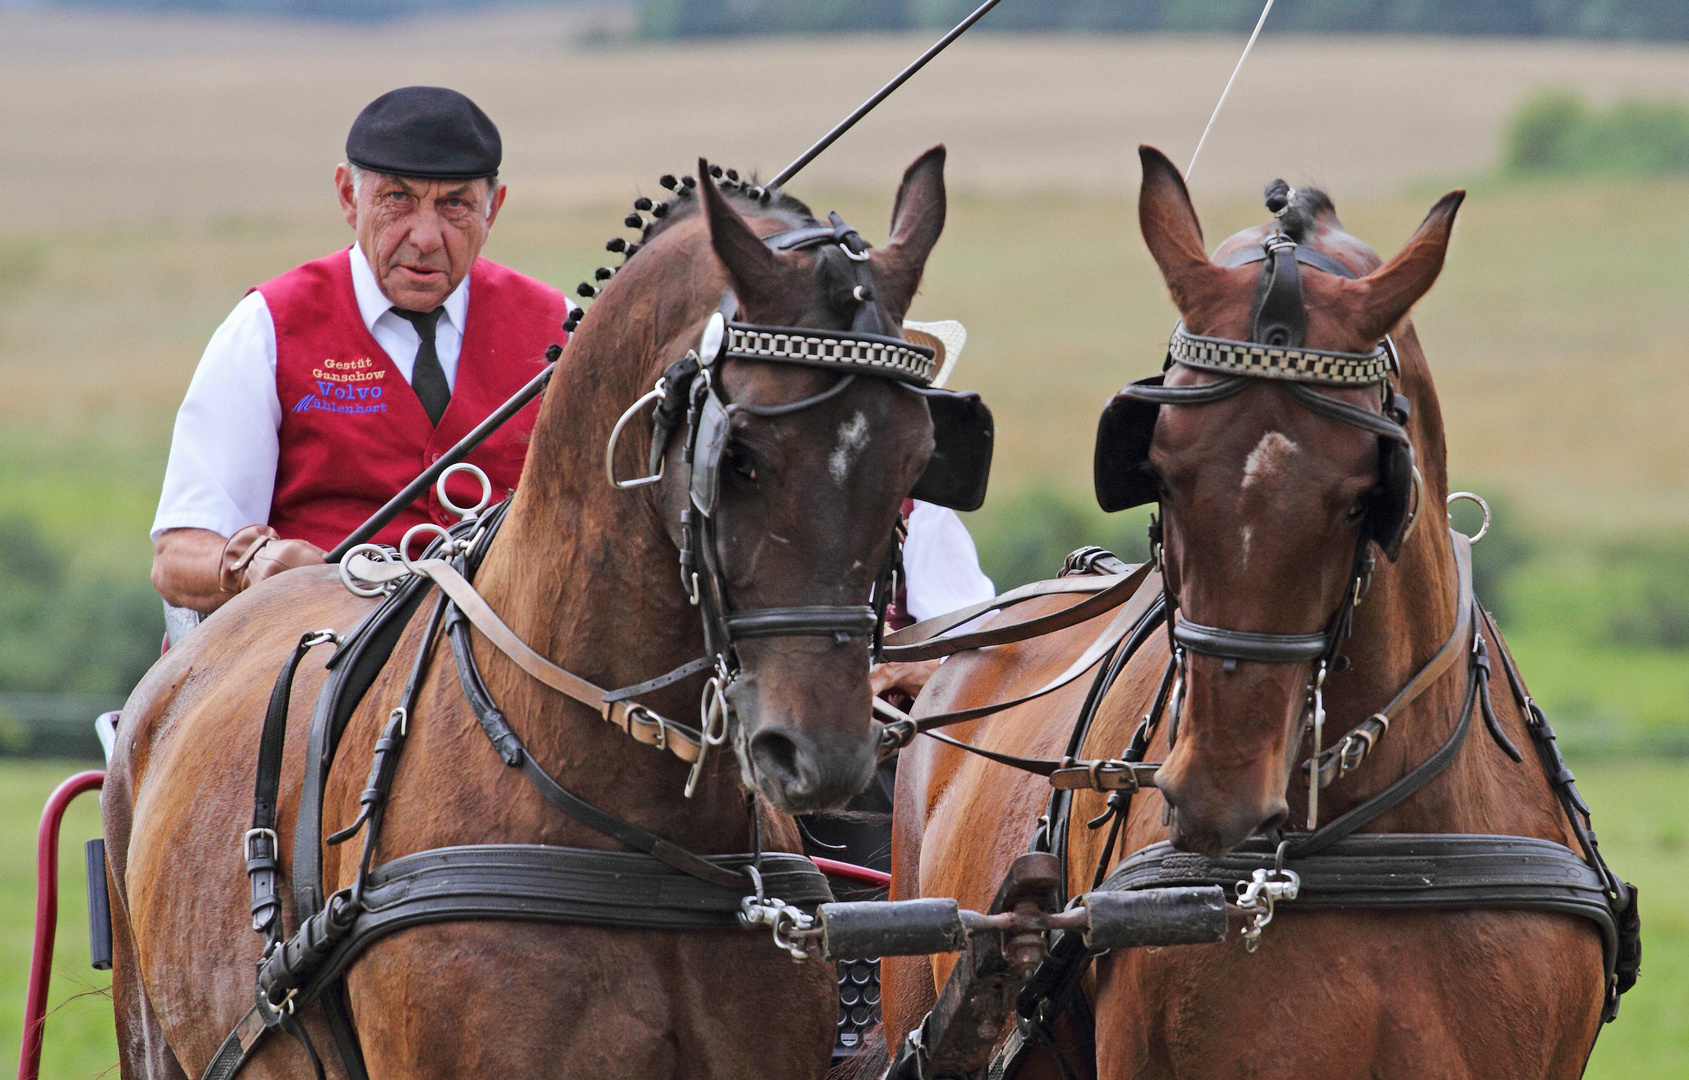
428, 378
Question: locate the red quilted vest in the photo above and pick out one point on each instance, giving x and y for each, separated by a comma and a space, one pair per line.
353, 432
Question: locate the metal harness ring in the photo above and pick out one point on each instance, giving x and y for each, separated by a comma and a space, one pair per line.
405, 542
1472, 497
372, 552
467, 513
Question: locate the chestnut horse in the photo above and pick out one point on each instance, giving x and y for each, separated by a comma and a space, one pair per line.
1263, 503
586, 575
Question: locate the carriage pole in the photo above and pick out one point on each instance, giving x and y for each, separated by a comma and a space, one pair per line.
47, 917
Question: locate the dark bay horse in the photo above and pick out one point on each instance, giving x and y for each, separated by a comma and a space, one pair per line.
586, 575
1262, 503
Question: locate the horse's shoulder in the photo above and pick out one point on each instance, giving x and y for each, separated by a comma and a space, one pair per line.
229, 663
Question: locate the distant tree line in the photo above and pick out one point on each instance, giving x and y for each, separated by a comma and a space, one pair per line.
351, 11
1664, 20
1625, 19
1556, 131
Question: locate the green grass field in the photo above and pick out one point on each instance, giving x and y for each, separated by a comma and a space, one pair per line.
1642, 814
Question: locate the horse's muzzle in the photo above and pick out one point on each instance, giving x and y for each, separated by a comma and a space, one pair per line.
1211, 821
801, 774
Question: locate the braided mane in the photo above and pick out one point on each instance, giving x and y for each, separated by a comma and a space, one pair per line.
683, 203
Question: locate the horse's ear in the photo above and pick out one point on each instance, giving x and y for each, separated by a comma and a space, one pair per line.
1382, 297
756, 272
1172, 232
917, 217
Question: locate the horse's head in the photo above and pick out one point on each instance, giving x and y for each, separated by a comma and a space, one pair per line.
782, 481
1271, 504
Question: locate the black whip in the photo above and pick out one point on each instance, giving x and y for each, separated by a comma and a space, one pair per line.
465, 446
884, 92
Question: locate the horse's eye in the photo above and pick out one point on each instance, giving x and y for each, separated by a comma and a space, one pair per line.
1356, 511
742, 464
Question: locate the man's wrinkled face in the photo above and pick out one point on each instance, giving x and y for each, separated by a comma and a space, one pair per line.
420, 236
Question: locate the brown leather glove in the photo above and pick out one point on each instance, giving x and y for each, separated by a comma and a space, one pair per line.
257, 552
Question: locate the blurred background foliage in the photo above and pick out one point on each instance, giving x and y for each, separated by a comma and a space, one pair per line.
1557, 132
1629, 19
1615, 19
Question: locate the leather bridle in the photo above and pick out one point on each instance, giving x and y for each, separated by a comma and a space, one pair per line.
689, 396
1275, 353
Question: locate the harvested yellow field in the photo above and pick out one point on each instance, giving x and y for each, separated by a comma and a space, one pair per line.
111, 116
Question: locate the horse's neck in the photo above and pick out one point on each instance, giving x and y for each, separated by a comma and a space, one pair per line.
588, 577
1409, 615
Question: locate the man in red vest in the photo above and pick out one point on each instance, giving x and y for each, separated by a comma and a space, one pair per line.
329, 388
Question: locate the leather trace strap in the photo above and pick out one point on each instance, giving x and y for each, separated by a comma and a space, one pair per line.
1142, 609
261, 847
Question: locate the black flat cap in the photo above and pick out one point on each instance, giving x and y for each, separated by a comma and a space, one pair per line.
425, 131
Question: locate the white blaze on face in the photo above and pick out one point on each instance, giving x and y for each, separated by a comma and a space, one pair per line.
853, 436
1268, 458
1265, 462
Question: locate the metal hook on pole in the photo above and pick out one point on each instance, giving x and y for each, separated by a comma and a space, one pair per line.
884, 92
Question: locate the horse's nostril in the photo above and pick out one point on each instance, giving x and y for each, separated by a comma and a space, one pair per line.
777, 757
1275, 822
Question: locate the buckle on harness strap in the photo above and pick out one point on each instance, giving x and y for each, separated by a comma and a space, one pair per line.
1100, 775
260, 834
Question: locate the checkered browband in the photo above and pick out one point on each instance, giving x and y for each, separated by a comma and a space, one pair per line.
1273, 362
883, 356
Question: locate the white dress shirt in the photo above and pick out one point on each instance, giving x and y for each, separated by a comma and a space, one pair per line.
222, 470
941, 564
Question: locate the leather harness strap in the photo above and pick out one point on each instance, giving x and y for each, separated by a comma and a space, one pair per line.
1401, 871
639, 722
1347, 753
659, 885
1245, 645
1140, 607
925, 640
1341, 870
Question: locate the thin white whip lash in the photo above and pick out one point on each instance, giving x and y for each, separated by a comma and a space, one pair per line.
1262, 21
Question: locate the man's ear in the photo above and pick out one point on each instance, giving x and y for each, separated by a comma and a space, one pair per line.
495, 202
917, 219
757, 273
1381, 299
1172, 232
348, 196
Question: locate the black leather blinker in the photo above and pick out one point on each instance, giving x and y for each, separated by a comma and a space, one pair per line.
715, 424
1120, 465
963, 435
